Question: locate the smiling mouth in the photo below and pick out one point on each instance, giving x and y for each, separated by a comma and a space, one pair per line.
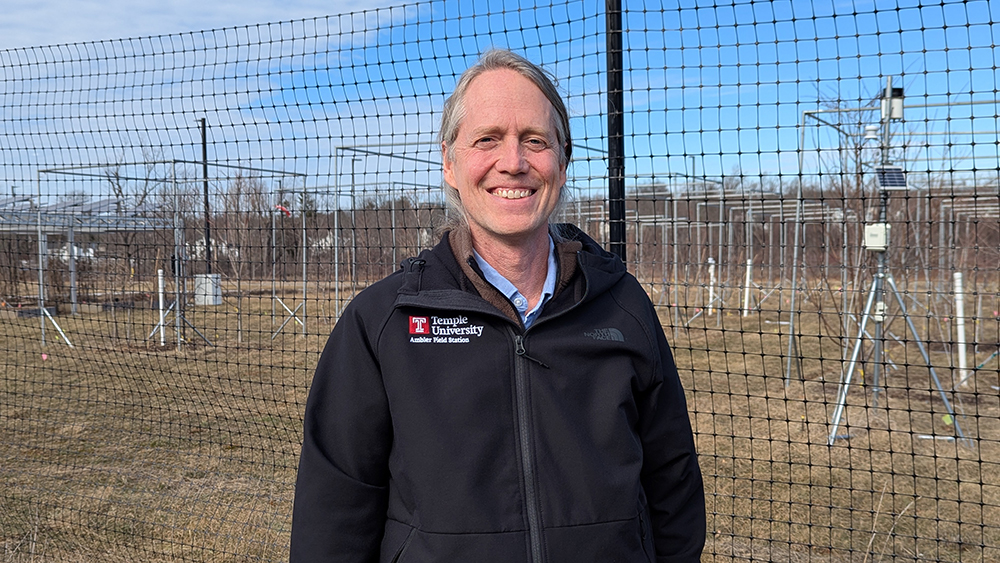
512, 193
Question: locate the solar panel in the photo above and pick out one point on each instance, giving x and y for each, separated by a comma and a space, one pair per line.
891, 178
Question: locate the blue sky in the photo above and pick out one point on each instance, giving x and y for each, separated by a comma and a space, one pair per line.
740, 76
32, 23
716, 87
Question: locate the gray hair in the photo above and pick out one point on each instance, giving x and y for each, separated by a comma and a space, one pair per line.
454, 112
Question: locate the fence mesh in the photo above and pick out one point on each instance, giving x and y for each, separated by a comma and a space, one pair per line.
812, 201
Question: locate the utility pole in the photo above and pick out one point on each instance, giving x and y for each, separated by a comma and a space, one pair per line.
616, 129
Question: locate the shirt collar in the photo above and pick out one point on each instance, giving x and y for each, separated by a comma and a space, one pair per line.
504, 286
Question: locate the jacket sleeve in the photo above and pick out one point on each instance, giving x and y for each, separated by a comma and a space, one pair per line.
341, 491
671, 477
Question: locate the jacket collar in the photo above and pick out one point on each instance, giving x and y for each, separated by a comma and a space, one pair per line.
585, 269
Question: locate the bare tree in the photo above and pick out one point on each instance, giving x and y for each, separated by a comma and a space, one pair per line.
241, 231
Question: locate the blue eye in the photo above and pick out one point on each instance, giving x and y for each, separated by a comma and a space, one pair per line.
485, 141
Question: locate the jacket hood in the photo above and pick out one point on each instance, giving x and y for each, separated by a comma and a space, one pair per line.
603, 269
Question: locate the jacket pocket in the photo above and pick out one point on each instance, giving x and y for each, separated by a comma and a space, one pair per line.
397, 537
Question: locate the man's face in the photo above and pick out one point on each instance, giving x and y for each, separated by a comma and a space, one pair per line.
507, 167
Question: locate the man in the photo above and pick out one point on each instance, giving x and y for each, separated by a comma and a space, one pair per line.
508, 395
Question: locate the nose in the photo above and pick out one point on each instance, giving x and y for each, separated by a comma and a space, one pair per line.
511, 158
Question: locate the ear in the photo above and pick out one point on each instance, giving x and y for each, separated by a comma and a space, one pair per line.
447, 166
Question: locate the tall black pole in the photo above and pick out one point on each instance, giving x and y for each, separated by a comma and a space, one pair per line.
208, 211
616, 129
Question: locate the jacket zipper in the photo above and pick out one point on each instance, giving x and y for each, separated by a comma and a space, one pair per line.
527, 460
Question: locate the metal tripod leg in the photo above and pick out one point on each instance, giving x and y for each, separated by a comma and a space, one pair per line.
194, 328
845, 380
162, 322
58, 328
178, 317
927, 358
292, 315
879, 318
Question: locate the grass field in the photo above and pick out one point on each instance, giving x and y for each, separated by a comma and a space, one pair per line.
120, 449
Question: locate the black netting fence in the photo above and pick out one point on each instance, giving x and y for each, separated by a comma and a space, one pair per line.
811, 198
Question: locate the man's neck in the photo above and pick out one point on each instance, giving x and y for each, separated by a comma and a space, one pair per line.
523, 262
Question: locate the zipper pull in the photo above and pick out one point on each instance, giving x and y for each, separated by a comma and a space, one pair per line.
519, 350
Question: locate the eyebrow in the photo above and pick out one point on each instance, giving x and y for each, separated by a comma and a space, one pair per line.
530, 131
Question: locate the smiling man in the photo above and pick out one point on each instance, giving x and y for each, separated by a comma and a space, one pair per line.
509, 394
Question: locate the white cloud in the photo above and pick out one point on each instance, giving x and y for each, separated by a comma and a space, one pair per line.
34, 23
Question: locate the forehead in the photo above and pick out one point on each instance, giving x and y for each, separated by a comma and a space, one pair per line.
506, 94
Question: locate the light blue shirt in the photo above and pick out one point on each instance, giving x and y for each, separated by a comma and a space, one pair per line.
505, 287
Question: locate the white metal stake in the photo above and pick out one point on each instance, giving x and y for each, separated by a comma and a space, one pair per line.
746, 288
163, 329
960, 348
711, 286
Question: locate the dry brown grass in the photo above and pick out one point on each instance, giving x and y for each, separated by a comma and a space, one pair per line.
900, 488
122, 450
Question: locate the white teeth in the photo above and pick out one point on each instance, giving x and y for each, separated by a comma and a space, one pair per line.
512, 194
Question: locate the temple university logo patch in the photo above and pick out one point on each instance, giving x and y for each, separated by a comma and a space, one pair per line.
420, 325
443, 330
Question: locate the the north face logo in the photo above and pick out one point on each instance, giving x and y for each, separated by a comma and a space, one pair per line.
612, 334
420, 325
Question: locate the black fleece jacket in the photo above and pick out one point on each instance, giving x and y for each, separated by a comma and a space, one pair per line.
438, 429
